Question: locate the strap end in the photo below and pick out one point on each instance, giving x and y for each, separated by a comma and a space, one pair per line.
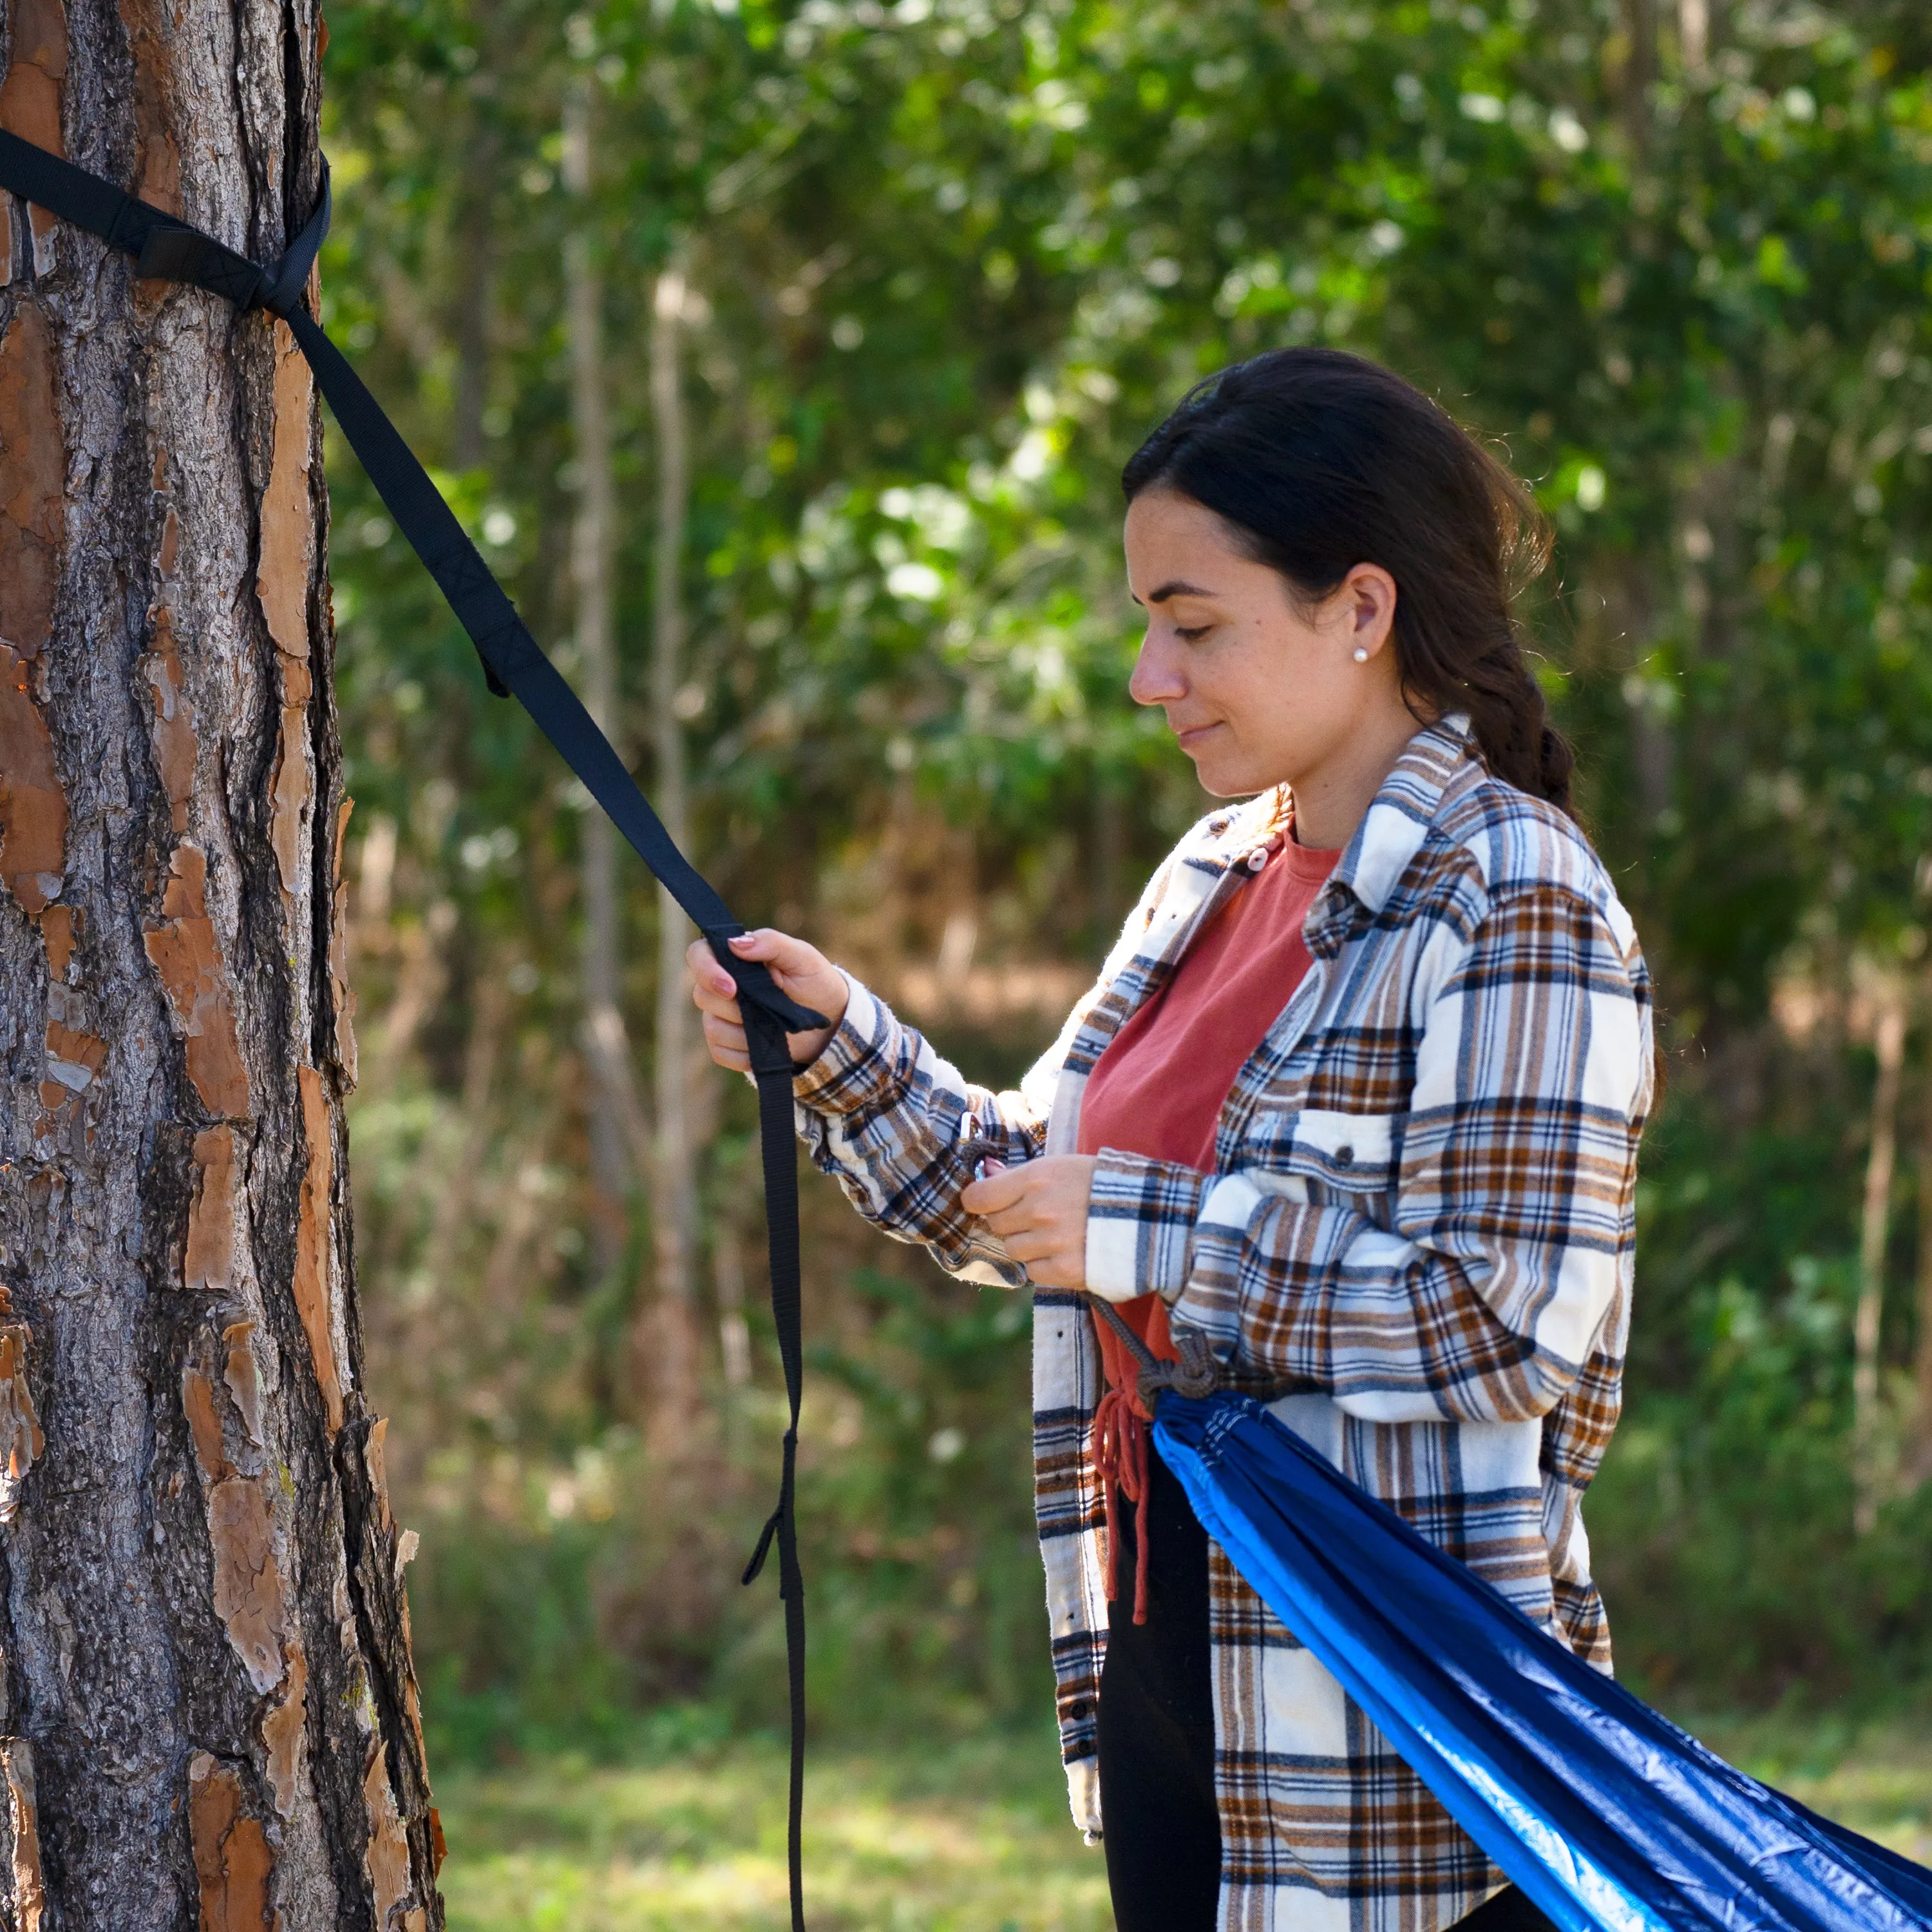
781, 1006
756, 985
755, 1568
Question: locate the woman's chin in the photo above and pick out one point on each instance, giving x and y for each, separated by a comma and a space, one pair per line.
1225, 778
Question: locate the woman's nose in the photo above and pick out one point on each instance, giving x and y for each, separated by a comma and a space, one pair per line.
1156, 678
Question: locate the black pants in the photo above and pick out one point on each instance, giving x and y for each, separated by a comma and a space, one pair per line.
1508, 1910
1163, 1834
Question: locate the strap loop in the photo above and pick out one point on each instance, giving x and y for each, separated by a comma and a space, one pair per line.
755, 1568
292, 272
765, 1034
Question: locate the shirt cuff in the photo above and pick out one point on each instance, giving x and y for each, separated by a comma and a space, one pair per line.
1083, 1795
854, 1062
1140, 1225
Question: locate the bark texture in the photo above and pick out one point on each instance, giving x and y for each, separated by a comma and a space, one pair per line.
208, 1716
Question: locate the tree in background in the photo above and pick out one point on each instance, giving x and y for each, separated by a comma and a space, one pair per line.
208, 1705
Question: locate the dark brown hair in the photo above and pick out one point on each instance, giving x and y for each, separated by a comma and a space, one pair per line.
1322, 461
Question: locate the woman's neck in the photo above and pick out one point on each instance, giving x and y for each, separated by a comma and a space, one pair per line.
1332, 799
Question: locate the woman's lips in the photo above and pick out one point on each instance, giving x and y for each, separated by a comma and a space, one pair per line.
1192, 735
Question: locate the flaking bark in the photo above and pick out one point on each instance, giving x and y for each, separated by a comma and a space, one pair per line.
207, 1713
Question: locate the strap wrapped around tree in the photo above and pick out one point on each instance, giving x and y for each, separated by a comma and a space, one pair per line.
515, 666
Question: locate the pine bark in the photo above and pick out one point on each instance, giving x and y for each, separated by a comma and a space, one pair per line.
207, 1713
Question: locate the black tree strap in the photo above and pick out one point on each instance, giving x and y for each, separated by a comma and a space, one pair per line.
170, 250
772, 1067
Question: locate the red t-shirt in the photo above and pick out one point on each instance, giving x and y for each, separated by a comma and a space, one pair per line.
1159, 1088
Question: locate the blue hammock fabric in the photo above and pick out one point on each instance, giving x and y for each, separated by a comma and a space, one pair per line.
1608, 1816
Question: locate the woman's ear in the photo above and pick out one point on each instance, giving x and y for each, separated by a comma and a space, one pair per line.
1366, 599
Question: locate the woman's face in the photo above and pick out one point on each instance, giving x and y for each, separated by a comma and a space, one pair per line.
1259, 692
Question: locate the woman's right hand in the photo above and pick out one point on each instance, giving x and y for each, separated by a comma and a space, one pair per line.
801, 971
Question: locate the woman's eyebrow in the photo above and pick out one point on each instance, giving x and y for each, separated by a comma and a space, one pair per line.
1178, 588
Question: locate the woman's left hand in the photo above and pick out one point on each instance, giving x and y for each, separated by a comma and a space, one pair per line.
1039, 1211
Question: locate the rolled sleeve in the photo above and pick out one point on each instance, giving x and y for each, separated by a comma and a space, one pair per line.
1141, 1221
900, 1131
855, 1065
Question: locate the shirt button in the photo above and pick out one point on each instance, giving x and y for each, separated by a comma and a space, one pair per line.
1257, 858
1344, 1155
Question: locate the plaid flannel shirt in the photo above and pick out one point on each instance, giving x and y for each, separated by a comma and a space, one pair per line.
1417, 1244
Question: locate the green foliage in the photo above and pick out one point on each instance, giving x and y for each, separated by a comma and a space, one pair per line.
514, 1657
1723, 1520
558, 1618
928, 1581
951, 259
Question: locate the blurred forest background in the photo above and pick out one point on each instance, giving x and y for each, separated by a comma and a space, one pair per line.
784, 358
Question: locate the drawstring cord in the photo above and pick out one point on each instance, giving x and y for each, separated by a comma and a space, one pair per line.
1121, 1441
1120, 1455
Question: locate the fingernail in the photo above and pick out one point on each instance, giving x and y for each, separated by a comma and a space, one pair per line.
741, 939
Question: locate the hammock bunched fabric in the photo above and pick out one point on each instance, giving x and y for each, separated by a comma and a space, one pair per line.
1607, 1815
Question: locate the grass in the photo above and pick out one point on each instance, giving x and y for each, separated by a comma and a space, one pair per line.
957, 1838
961, 1839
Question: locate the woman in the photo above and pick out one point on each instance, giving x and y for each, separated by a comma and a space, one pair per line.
1357, 1098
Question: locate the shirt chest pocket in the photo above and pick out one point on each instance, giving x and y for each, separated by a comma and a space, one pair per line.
1353, 1153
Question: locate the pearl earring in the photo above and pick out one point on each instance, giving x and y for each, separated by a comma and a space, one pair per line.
1361, 654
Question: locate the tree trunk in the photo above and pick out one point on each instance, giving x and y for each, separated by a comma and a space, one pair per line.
1865, 1473
619, 1144
672, 1339
477, 225
1693, 37
1917, 1461
1639, 73
207, 1711
734, 1334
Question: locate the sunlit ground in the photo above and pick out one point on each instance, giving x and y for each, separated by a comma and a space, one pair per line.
958, 1840
955, 1840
